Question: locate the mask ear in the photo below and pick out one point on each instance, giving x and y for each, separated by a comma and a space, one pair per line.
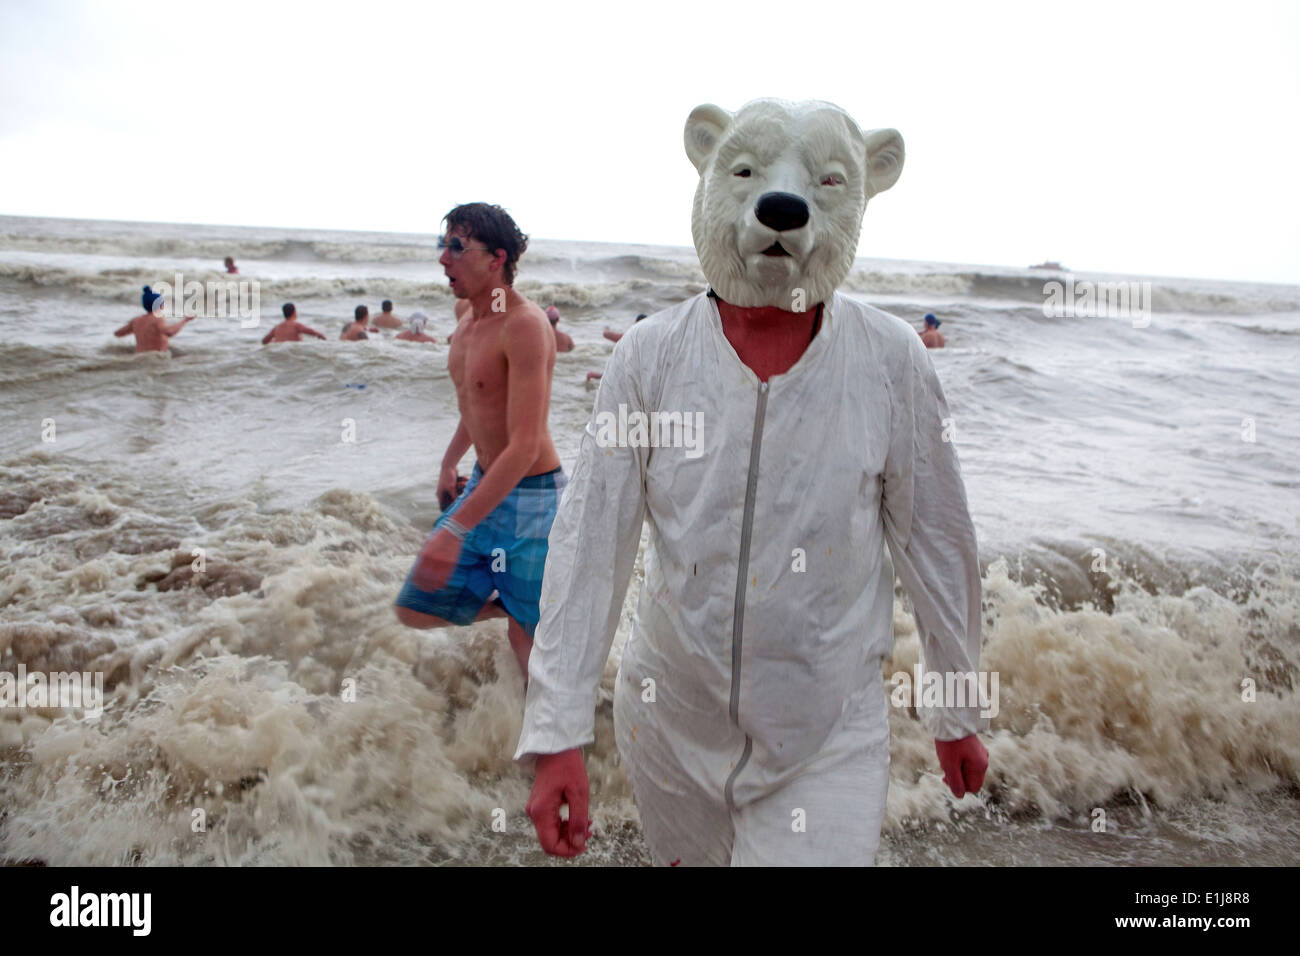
704, 127
884, 159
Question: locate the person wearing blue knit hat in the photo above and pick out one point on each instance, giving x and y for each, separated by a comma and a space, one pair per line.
151, 331
930, 334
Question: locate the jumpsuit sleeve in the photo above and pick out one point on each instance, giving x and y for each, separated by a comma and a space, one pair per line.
932, 539
590, 556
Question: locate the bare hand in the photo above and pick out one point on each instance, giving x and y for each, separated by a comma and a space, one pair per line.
561, 778
964, 763
437, 561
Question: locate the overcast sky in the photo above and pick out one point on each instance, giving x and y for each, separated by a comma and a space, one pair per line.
1157, 138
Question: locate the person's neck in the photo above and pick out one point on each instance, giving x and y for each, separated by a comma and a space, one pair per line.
769, 340
481, 305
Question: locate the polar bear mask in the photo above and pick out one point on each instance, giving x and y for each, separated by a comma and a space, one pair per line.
783, 189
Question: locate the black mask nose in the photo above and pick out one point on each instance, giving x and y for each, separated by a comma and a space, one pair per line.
781, 211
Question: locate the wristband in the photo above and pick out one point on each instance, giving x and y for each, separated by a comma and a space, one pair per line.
458, 530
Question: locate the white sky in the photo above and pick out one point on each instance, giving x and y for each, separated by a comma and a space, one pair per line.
1157, 138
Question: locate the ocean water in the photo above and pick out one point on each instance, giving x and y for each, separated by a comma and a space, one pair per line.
1133, 487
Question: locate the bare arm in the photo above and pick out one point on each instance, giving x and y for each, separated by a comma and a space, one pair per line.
529, 358
266, 339
126, 329
460, 443
448, 478
170, 330
310, 331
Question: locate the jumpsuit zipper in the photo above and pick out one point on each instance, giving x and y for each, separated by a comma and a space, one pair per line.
742, 575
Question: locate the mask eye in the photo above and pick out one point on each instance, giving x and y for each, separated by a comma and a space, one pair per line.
832, 179
742, 173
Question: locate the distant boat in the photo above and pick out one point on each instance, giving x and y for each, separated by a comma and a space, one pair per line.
1049, 265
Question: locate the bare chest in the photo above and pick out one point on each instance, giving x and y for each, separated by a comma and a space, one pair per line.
477, 360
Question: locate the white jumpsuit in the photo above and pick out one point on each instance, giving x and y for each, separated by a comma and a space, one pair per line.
767, 605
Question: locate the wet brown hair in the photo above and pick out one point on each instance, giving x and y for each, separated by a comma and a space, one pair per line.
492, 226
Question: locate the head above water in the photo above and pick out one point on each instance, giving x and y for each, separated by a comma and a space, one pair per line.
387, 305
553, 314
640, 317
151, 300
931, 321
288, 310
782, 192
418, 321
360, 314
492, 226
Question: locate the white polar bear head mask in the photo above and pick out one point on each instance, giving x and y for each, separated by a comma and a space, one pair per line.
783, 189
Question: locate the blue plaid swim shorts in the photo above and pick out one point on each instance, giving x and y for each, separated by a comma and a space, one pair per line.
505, 552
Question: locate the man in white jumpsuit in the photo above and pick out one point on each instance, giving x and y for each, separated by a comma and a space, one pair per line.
809, 432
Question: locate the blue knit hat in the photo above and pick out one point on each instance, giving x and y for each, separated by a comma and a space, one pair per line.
931, 320
150, 299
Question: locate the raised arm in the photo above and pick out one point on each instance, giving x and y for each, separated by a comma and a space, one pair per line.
931, 536
170, 330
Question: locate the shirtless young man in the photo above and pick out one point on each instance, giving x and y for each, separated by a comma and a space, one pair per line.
563, 343
152, 333
355, 330
385, 319
501, 361
290, 330
930, 335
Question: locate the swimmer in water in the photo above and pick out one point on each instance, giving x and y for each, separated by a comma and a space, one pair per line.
930, 335
613, 337
355, 330
151, 331
563, 342
290, 330
230, 267
416, 332
385, 319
